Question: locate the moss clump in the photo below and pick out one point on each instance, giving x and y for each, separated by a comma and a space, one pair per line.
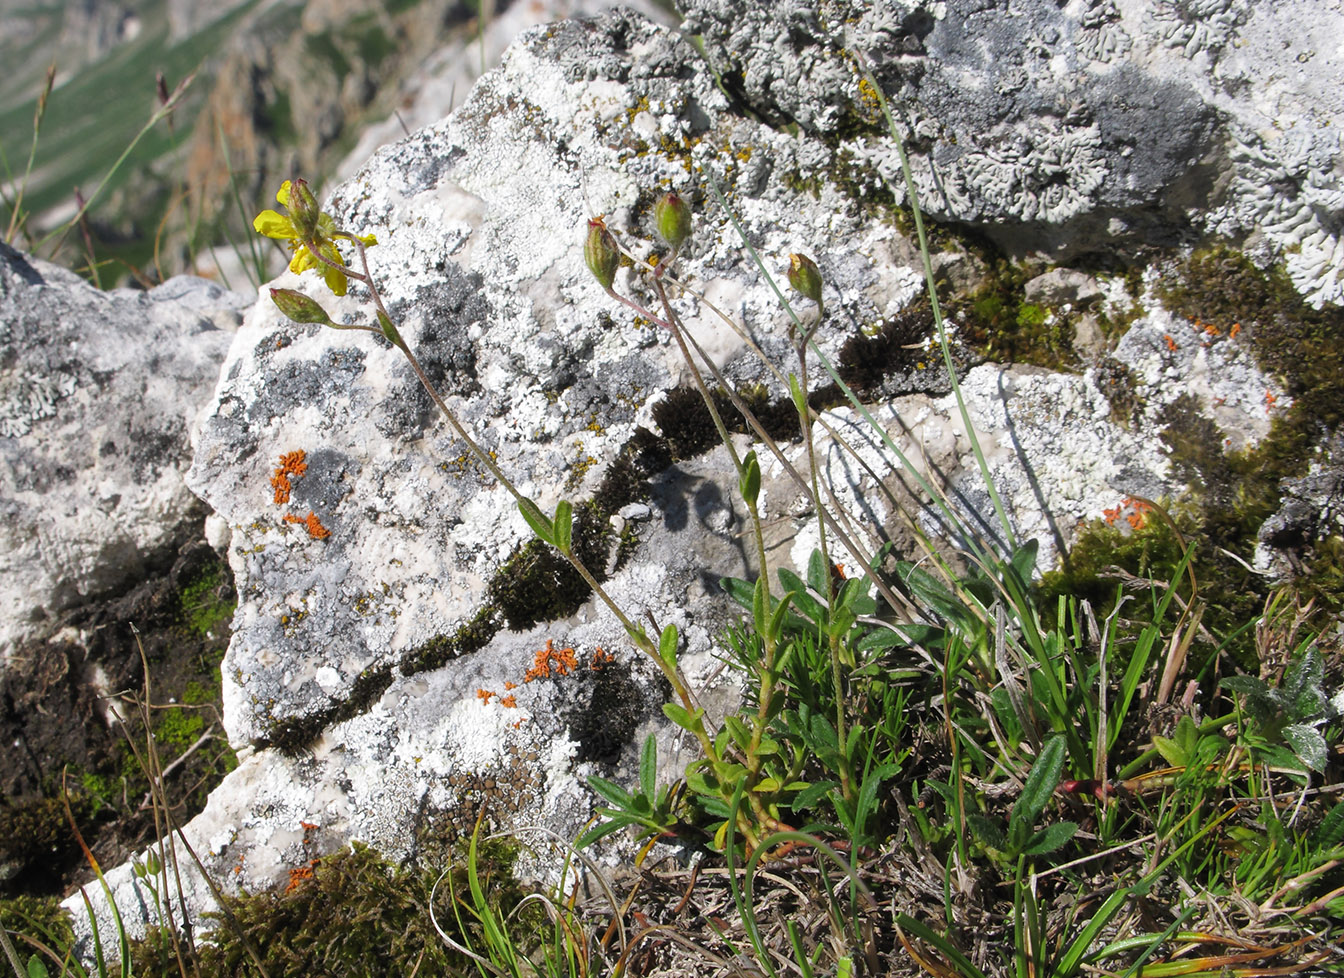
36, 844
354, 914
1006, 328
39, 920
207, 601
1304, 347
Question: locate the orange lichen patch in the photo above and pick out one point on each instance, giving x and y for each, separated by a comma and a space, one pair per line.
563, 661
300, 874
508, 702
314, 525
1236, 328
1212, 330
308, 827
291, 464
600, 659
484, 695
1138, 516
508, 684
1171, 344
1270, 400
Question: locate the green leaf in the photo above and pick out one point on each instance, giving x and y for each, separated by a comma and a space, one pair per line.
1308, 744
1330, 832
818, 574
813, 793
750, 483
1023, 561
1050, 838
683, 717
743, 592
1041, 782
1247, 685
36, 969
701, 782
728, 772
563, 526
989, 832
760, 607
536, 519
768, 785
667, 646
1171, 751
776, 623
613, 793
803, 601
601, 831
737, 730
648, 769
768, 747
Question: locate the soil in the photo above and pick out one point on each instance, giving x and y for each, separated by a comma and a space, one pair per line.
60, 704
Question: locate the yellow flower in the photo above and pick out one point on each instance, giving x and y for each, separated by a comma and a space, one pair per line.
323, 238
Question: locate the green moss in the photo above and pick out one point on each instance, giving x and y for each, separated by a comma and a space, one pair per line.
207, 601
36, 843
997, 319
354, 914
178, 728
39, 919
1304, 347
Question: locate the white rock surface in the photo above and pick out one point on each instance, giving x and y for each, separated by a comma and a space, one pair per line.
97, 393
1074, 126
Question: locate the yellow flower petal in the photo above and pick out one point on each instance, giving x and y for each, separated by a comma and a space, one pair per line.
335, 279
273, 225
282, 195
302, 261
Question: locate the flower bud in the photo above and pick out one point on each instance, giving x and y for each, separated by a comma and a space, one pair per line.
805, 277
298, 307
673, 219
304, 210
601, 253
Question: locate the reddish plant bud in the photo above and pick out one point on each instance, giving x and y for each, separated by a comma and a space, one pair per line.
601, 253
673, 219
805, 277
299, 307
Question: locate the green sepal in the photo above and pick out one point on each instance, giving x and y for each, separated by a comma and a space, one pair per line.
750, 483
799, 398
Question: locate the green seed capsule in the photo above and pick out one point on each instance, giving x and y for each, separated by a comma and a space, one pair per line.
673, 219
601, 253
299, 307
805, 277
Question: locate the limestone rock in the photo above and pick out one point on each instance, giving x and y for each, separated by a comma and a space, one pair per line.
1073, 127
388, 592
97, 392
